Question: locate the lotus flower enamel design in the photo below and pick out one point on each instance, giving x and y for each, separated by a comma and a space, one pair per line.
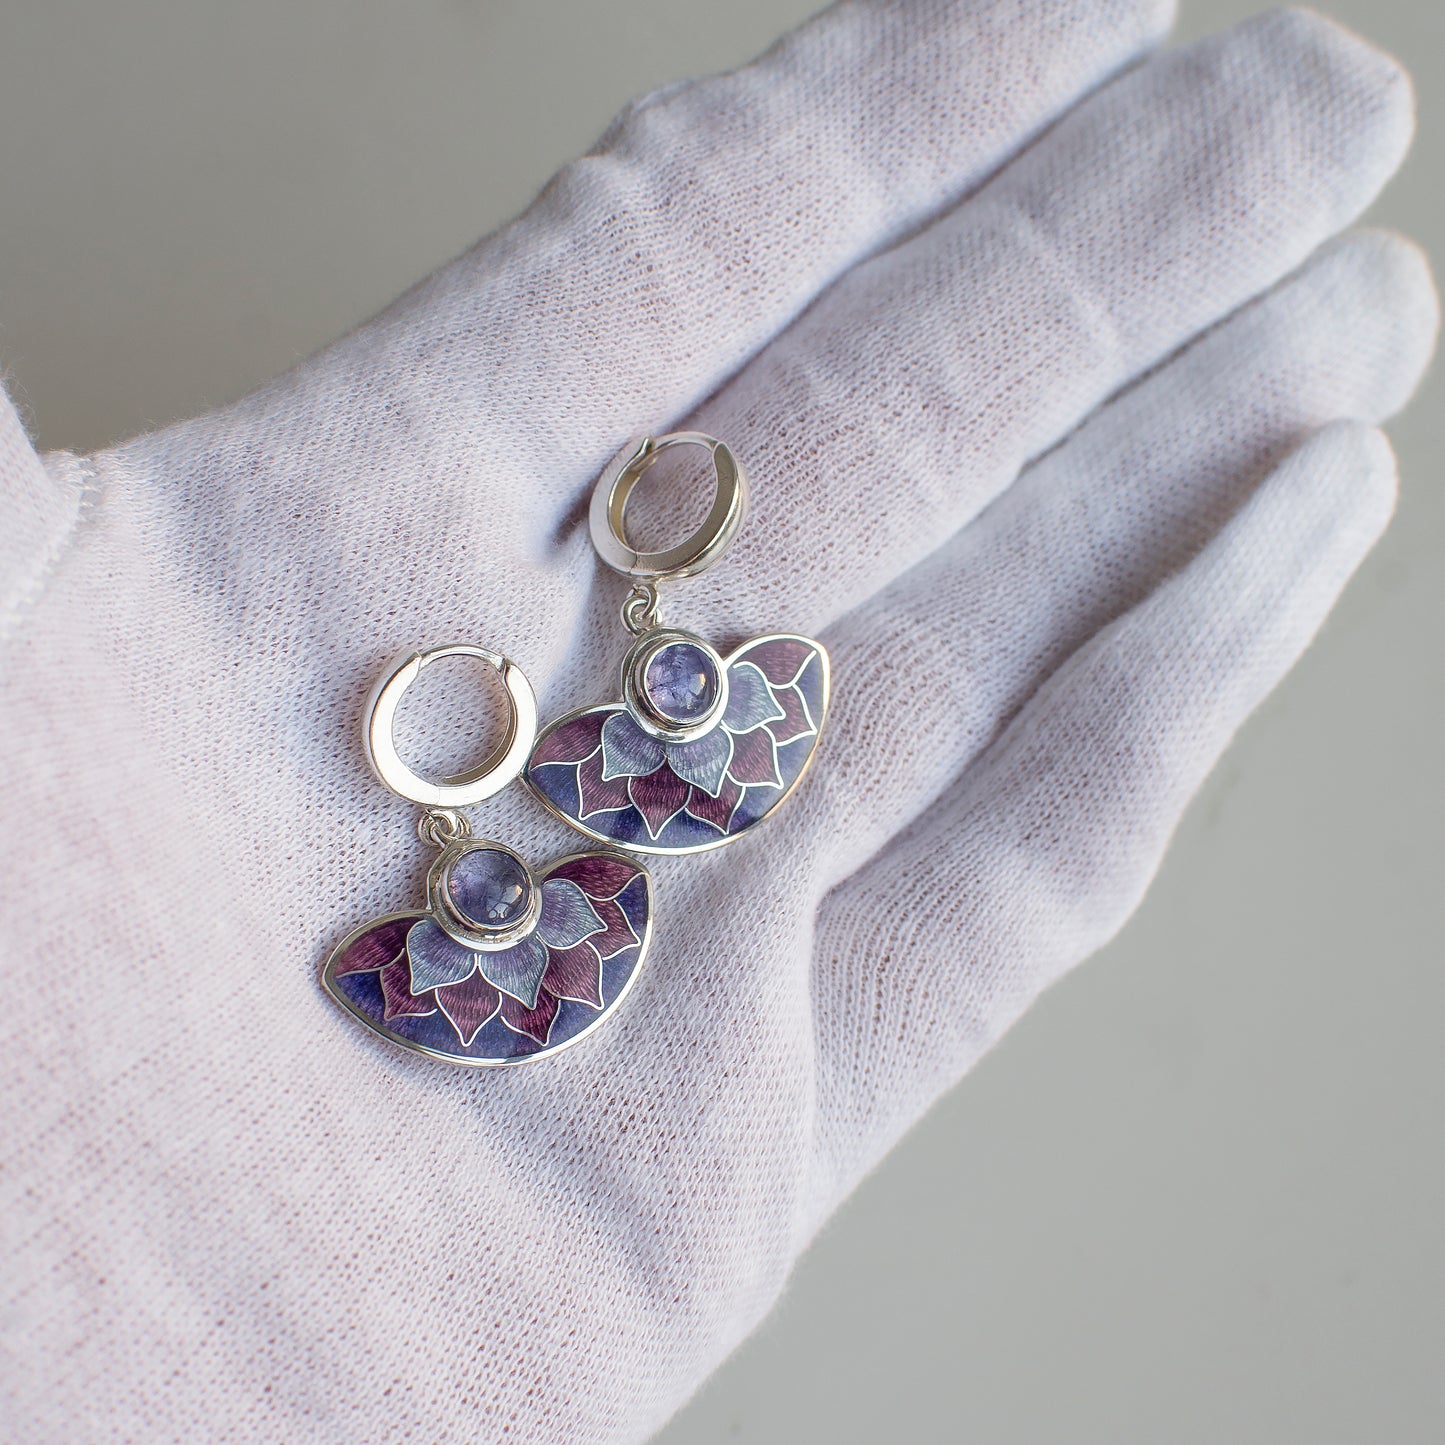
503, 967
701, 749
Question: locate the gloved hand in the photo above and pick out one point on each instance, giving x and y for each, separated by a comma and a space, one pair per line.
1057, 396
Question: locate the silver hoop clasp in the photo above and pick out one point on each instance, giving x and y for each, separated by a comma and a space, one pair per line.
608, 511
488, 777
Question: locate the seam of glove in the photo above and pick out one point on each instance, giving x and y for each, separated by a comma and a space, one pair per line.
67, 473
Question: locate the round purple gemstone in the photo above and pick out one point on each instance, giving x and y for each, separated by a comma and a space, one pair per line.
489, 887
681, 683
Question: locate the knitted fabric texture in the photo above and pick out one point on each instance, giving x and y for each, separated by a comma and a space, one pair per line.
1057, 386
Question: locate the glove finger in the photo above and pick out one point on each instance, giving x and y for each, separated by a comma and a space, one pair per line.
705, 219
932, 669
916, 390
1047, 844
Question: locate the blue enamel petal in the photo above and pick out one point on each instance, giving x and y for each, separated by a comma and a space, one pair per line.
517, 970
750, 700
627, 751
436, 958
567, 915
703, 762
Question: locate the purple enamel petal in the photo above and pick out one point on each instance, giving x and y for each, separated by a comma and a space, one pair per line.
398, 1001
795, 723
575, 973
596, 793
535, 1021
570, 741
468, 1005
755, 759
619, 934
598, 875
703, 762
750, 700
780, 659
517, 970
657, 797
719, 810
567, 915
627, 751
376, 948
436, 958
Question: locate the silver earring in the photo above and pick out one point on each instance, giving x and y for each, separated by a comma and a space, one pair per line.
701, 748
504, 964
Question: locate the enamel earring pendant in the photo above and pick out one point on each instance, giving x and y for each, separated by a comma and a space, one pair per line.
701, 748
503, 963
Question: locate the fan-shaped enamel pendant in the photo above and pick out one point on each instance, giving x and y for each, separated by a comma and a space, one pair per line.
503, 964
701, 748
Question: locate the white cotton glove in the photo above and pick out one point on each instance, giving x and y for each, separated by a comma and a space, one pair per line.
1057, 396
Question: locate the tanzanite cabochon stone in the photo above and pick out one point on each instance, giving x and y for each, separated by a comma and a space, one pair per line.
681, 682
489, 887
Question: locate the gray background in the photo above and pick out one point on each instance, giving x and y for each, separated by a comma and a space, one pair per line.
1197, 1195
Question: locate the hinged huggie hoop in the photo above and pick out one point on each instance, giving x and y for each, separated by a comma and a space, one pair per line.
608, 512
472, 786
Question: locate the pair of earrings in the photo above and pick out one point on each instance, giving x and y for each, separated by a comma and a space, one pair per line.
505, 963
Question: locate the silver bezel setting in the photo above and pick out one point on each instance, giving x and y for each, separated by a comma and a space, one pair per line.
634, 693
449, 918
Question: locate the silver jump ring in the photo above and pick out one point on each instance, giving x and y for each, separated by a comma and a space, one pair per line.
441, 826
608, 512
639, 608
472, 786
